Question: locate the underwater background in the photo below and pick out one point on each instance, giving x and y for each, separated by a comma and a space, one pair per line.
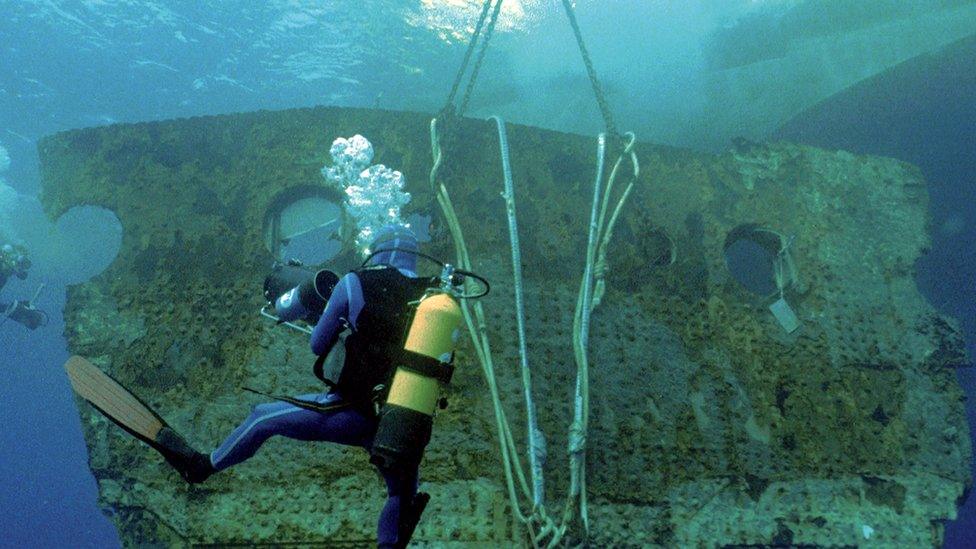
890, 78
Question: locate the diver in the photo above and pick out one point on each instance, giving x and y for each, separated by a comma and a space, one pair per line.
14, 262
373, 304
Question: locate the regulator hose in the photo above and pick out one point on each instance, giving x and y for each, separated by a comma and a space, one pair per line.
467, 274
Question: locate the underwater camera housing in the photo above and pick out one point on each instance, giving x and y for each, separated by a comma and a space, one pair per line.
297, 292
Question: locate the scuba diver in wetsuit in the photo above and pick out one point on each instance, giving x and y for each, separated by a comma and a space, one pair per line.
14, 262
373, 303
383, 398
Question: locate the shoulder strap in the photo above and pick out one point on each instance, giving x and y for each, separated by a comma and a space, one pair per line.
318, 369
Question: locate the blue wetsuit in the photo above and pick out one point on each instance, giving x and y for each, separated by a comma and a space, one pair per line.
345, 426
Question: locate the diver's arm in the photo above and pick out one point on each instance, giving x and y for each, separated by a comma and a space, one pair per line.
5, 270
337, 314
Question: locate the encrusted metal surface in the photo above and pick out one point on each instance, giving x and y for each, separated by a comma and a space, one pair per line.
711, 424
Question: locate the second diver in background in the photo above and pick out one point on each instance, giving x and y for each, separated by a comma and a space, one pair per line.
14, 262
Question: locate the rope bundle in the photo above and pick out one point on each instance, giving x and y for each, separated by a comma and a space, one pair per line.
542, 529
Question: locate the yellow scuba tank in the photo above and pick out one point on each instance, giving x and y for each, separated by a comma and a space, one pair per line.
406, 418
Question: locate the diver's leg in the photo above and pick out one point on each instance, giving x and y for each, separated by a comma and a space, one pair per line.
344, 426
401, 487
192, 465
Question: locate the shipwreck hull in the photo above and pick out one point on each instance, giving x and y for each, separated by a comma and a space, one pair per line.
711, 423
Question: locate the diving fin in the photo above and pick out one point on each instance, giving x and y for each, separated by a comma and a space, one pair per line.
113, 400
411, 518
128, 411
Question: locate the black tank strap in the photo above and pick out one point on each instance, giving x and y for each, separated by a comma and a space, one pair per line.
427, 366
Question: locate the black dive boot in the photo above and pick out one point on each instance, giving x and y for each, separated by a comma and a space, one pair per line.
192, 465
410, 518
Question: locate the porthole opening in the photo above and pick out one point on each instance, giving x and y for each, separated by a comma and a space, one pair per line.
83, 242
658, 249
759, 259
306, 229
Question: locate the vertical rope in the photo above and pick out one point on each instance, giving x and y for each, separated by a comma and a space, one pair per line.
581, 330
601, 99
481, 57
536, 438
601, 262
477, 328
467, 54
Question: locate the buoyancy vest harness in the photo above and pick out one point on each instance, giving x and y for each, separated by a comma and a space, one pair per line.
376, 341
